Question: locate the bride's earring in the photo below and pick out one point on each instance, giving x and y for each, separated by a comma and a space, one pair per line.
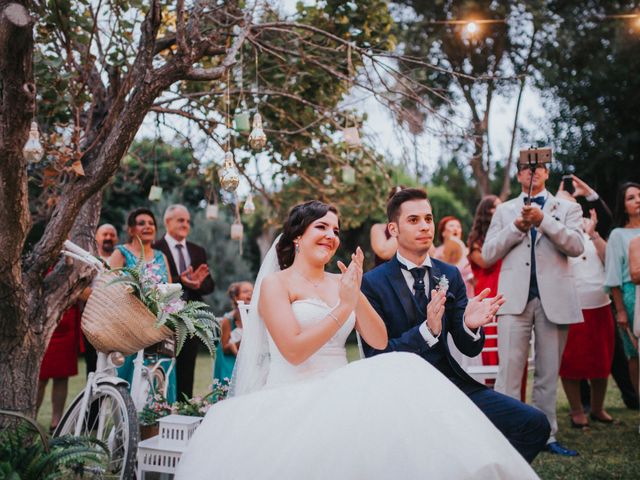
297, 247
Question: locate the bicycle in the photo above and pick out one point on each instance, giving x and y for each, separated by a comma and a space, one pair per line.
105, 408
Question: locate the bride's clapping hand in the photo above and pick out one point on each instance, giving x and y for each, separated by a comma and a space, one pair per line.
351, 278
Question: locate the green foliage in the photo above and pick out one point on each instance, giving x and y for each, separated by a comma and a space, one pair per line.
23, 456
197, 406
444, 202
225, 262
590, 77
172, 167
456, 178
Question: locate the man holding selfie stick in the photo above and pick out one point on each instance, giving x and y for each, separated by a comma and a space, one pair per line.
534, 234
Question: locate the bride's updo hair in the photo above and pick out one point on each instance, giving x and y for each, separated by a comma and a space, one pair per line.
300, 217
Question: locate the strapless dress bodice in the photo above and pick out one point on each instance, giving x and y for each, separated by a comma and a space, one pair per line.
330, 357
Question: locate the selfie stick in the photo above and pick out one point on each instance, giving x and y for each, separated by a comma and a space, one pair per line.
533, 158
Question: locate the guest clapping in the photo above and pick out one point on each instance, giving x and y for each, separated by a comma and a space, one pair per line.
589, 349
627, 219
231, 332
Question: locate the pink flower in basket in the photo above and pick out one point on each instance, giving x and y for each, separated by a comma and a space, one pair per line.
174, 307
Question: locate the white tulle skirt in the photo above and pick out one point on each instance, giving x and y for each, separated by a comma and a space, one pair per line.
393, 416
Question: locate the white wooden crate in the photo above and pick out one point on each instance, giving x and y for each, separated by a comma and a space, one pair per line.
154, 456
161, 454
177, 430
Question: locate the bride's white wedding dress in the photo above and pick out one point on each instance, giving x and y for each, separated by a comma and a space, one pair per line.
393, 416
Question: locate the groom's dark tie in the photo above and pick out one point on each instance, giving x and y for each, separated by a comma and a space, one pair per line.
418, 274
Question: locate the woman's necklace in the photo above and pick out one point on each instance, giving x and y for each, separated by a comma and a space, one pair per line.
315, 285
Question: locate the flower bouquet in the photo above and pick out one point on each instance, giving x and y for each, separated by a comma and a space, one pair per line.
186, 319
129, 309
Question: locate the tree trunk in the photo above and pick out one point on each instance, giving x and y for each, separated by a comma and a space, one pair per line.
18, 371
480, 173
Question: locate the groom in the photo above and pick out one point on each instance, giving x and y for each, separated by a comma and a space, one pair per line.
403, 293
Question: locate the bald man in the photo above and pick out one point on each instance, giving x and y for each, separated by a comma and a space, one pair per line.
106, 240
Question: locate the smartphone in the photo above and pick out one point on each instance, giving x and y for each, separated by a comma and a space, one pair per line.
567, 184
535, 155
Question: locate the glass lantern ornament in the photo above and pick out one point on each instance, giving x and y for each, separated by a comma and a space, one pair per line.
211, 212
33, 150
236, 230
257, 137
352, 137
242, 121
249, 207
229, 176
348, 175
155, 193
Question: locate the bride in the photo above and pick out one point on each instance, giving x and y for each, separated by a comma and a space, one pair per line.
298, 410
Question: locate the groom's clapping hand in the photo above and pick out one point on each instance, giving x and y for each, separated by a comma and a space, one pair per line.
481, 310
435, 311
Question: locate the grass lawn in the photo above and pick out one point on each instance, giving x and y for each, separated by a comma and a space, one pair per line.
606, 451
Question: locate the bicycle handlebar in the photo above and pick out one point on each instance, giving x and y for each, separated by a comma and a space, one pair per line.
74, 251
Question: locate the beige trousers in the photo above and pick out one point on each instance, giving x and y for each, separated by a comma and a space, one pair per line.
514, 337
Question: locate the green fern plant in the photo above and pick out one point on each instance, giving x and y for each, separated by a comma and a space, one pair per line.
185, 319
24, 456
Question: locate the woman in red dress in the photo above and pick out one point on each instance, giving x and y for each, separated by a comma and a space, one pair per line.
486, 277
60, 362
589, 349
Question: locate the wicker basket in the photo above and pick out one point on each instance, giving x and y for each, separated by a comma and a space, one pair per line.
115, 320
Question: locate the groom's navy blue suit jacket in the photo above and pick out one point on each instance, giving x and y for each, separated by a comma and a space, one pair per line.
388, 293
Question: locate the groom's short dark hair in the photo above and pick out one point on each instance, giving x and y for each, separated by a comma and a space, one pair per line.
398, 198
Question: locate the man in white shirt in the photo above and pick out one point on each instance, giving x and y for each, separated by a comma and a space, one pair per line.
534, 238
422, 301
188, 265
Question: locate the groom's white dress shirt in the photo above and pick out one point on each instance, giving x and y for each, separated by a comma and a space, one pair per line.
424, 331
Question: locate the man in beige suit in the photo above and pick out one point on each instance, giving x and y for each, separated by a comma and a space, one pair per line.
533, 239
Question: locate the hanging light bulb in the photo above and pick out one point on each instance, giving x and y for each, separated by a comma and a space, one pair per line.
229, 176
33, 150
249, 207
472, 28
257, 137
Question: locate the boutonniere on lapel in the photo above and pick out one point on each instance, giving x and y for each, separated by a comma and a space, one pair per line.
443, 283
443, 286
554, 207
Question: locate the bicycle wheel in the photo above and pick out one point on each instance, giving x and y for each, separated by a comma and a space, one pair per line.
111, 417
